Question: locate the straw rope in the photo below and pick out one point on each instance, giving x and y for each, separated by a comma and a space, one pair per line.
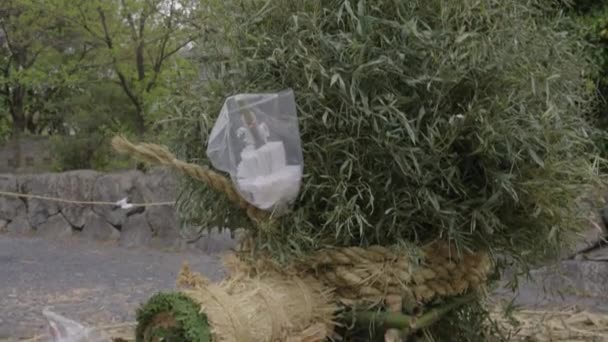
160, 155
69, 201
258, 300
378, 275
357, 274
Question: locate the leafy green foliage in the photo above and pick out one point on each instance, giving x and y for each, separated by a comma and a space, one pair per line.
468, 324
39, 55
190, 324
186, 129
594, 19
87, 152
420, 120
82, 71
5, 127
91, 117
139, 42
584, 6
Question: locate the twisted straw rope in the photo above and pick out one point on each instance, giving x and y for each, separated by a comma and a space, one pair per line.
358, 275
380, 276
377, 274
160, 155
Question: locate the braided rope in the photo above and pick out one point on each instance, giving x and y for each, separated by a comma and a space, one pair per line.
160, 155
377, 274
357, 275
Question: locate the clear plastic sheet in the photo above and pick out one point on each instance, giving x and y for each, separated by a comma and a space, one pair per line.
62, 329
256, 139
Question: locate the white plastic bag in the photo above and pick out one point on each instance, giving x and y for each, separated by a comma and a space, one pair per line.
62, 329
256, 139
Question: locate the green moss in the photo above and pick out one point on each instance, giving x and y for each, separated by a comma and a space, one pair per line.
171, 317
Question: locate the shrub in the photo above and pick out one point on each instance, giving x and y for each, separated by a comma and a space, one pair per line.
594, 19
74, 153
86, 152
420, 120
89, 147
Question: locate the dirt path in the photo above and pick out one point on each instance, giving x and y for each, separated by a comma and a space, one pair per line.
97, 284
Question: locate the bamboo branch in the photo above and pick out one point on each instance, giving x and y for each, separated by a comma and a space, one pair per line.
407, 323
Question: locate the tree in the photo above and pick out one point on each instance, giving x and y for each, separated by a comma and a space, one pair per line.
39, 55
139, 38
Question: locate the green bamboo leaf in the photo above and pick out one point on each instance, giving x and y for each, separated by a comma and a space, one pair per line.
536, 158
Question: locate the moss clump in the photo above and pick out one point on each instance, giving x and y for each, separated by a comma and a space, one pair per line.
171, 317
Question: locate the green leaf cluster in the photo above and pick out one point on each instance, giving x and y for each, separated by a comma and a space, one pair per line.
593, 15
458, 120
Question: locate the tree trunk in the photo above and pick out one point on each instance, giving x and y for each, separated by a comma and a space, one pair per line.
17, 110
139, 61
140, 122
31, 125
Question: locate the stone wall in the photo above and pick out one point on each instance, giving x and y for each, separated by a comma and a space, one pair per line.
155, 226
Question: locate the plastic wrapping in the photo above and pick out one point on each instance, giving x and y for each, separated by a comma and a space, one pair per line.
62, 329
256, 139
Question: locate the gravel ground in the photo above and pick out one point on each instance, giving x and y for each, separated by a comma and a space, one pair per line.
93, 283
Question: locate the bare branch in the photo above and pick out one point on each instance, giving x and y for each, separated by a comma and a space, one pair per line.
106, 32
180, 46
123, 80
31, 62
130, 20
6, 36
7, 68
86, 26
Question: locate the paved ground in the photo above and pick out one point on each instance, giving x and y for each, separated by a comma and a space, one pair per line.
101, 284
581, 283
94, 283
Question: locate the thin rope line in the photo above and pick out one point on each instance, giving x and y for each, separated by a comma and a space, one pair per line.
63, 200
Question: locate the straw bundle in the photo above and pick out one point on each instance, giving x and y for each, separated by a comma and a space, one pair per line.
264, 301
271, 307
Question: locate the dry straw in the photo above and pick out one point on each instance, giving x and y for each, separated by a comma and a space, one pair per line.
570, 325
271, 307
